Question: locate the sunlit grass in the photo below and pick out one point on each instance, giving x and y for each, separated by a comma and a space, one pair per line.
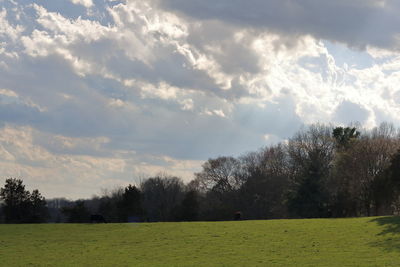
317, 242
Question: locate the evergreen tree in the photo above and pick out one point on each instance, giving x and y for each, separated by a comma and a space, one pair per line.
38, 210
20, 206
130, 205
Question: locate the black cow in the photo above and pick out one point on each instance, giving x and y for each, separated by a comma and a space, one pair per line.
237, 216
97, 218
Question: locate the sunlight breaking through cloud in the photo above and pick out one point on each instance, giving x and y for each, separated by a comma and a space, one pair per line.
101, 92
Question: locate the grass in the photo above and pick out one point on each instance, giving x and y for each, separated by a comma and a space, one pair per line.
316, 242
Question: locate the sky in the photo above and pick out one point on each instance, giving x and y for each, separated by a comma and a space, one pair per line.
96, 94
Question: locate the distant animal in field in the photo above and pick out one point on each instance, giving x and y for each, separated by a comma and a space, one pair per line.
237, 216
97, 218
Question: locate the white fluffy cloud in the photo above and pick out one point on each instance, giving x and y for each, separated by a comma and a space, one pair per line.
96, 93
85, 3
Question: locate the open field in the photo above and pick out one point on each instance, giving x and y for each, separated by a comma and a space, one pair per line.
317, 242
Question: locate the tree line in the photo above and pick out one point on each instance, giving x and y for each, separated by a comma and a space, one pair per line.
322, 171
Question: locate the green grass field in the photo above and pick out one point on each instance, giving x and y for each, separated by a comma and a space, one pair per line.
317, 242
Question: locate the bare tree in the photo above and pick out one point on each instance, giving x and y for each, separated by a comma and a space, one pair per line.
221, 174
358, 177
162, 196
311, 153
264, 192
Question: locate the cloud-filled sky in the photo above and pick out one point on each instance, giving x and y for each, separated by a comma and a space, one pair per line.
100, 93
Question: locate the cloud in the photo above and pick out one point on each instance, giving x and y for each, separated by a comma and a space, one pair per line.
348, 112
356, 23
121, 88
58, 164
8, 30
85, 3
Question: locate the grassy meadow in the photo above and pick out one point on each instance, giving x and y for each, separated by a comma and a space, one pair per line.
316, 242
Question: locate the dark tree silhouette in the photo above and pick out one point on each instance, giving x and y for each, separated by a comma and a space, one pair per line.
130, 205
310, 200
322, 171
38, 209
20, 206
77, 213
162, 196
190, 206
311, 154
16, 200
391, 190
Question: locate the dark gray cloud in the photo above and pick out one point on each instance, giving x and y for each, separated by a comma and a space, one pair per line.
356, 23
217, 38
